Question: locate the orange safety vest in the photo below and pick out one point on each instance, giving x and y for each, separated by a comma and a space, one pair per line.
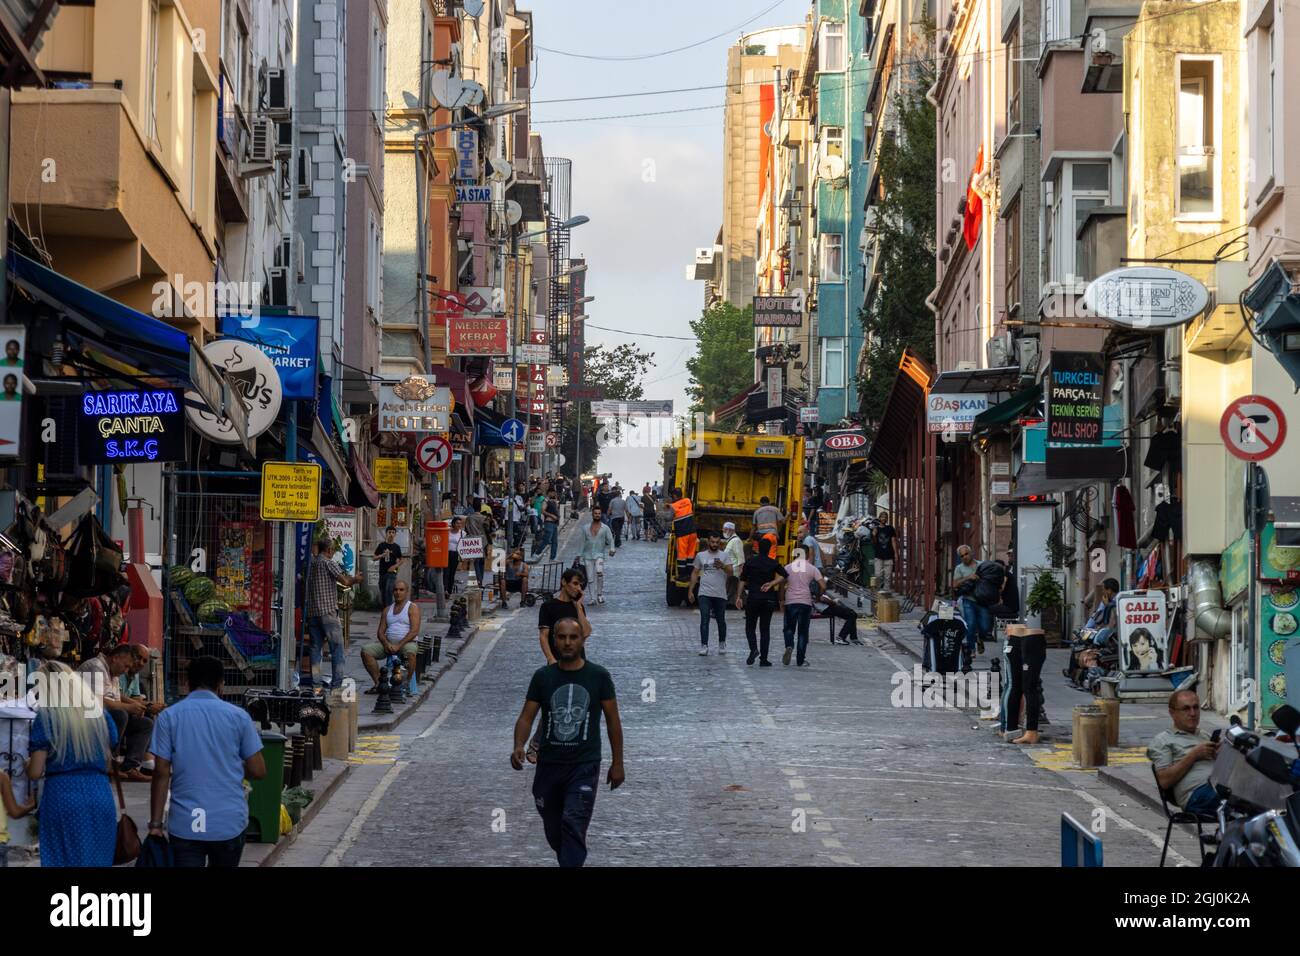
688, 542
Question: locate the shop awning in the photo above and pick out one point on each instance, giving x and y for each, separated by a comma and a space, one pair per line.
362, 492
1004, 413
976, 380
324, 448
141, 340
734, 404
898, 423
458, 383
1032, 480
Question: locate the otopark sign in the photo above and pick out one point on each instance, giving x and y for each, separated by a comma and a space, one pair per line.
131, 426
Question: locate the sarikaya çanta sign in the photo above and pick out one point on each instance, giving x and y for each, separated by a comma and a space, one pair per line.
953, 414
131, 426
289, 341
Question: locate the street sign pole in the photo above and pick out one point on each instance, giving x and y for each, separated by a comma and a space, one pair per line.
514, 373
1252, 483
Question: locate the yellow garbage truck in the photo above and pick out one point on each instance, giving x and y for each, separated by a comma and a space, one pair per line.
724, 477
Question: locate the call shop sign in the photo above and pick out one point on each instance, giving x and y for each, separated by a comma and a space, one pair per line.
143, 425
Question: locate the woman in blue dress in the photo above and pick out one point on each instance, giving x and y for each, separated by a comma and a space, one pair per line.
71, 750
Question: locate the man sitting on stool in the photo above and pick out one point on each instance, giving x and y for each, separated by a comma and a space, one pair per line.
399, 633
1183, 757
828, 605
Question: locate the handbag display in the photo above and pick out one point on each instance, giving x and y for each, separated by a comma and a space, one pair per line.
126, 846
94, 560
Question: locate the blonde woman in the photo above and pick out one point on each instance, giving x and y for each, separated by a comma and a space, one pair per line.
72, 742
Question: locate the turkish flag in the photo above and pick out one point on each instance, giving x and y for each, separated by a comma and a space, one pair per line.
970, 226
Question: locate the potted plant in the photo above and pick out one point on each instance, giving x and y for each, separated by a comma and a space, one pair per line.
1045, 600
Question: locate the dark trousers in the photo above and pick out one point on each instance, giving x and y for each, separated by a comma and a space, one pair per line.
206, 852
712, 607
797, 619
386, 582
616, 525
758, 621
1025, 659
850, 629
565, 794
449, 573
133, 733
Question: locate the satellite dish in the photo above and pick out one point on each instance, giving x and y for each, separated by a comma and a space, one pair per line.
514, 212
454, 92
832, 167
473, 7
501, 170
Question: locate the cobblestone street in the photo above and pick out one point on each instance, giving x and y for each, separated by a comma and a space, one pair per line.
726, 764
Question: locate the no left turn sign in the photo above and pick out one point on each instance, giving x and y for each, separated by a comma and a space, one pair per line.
433, 453
1253, 428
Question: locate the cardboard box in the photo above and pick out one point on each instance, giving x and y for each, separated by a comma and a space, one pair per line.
887, 610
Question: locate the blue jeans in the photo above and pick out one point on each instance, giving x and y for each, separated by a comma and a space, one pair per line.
548, 537
324, 629
715, 607
797, 618
565, 794
979, 622
206, 852
1203, 801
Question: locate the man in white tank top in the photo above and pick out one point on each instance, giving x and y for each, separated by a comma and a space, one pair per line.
399, 633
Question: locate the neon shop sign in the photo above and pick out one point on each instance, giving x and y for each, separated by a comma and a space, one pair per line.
120, 427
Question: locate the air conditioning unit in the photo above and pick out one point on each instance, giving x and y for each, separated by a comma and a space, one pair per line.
966, 365
1174, 345
261, 142
1173, 384
1028, 355
277, 286
998, 350
284, 139
277, 95
304, 173
286, 179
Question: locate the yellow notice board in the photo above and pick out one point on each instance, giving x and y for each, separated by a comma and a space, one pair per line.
390, 476
290, 491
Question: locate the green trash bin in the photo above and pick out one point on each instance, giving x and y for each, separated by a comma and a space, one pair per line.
264, 799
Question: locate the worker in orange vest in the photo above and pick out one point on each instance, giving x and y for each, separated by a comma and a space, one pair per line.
688, 542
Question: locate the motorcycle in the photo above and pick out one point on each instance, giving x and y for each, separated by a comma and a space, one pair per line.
1253, 834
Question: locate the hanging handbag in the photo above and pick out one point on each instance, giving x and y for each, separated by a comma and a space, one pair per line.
126, 847
94, 560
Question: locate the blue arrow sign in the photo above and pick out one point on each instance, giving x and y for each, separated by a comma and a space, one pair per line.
513, 430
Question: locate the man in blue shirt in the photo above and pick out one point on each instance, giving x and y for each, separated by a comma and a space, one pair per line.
204, 748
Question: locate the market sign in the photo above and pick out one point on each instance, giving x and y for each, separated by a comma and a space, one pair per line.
1143, 638
954, 413
1074, 398
843, 443
414, 404
1146, 297
390, 475
473, 336
139, 425
779, 311
290, 491
289, 341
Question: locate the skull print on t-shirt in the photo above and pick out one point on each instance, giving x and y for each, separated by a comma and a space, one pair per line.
570, 703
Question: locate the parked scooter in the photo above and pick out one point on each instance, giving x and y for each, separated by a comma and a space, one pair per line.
1251, 835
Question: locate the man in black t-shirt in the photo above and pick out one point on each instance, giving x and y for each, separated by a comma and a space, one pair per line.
883, 541
758, 582
570, 694
389, 553
567, 603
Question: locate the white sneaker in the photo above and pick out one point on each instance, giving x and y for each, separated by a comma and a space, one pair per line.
704, 651
722, 647
600, 599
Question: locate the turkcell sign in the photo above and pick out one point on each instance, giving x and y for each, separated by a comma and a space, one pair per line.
289, 341
953, 414
473, 194
131, 426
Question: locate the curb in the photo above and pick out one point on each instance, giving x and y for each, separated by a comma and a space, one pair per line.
426, 686
1123, 786
307, 815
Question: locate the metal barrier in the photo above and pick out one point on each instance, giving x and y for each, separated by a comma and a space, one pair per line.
1079, 845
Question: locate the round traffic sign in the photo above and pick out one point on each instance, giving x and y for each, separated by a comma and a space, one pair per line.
1253, 428
513, 430
433, 453
552, 440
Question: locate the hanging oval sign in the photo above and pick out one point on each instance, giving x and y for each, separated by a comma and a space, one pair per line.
254, 377
1146, 297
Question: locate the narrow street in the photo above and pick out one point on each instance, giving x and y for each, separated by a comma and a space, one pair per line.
724, 761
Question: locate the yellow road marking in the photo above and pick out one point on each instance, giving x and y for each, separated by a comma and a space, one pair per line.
1060, 756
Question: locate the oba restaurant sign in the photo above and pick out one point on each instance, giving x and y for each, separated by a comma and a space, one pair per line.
131, 426
844, 443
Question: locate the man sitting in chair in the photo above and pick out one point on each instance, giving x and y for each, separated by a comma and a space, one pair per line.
399, 634
1184, 756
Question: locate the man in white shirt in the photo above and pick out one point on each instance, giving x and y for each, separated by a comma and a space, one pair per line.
134, 727
734, 549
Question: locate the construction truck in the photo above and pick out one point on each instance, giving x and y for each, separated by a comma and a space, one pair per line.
724, 477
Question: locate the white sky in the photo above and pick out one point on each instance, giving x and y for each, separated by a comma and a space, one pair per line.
652, 185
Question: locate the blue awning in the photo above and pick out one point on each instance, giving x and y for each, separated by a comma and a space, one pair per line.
150, 343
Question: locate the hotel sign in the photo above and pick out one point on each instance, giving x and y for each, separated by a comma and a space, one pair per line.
415, 404
777, 311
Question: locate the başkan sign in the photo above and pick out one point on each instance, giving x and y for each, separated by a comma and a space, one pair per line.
132, 426
1074, 398
1143, 642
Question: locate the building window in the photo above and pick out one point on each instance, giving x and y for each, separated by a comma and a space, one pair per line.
1013, 79
1090, 189
1013, 258
1056, 20
194, 148
868, 136
1264, 107
378, 95
833, 141
151, 75
832, 363
1078, 188
1197, 95
832, 257
831, 48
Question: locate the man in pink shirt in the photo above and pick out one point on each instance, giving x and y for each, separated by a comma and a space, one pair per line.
801, 578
